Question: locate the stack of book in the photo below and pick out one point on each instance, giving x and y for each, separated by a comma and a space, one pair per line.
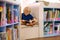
50, 15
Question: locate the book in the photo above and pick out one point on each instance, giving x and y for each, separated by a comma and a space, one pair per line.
1, 8
51, 29
45, 14
0, 18
8, 15
15, 32
56, 15
9, 34
51, 14
3, 20
57, 28
15, 16
3, 36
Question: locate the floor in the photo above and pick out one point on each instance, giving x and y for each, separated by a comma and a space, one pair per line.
47, 38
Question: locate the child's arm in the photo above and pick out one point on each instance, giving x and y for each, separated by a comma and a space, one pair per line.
23, 22
32, 22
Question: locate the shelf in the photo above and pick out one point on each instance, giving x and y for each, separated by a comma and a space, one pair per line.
2, 32
16, 23
49, 35
8, 20
12, 24
48, 21
24, 26
9, 24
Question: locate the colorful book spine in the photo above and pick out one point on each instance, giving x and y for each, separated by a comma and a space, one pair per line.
15, 34
57, 28
56, 15
8, 15
1, 16
3, 36
15, 16
45, 14
9, 34
50, 14
51, 28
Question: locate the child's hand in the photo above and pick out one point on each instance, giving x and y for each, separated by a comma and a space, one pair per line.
22, 20
30, 21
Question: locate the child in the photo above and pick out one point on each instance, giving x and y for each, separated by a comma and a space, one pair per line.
27, 18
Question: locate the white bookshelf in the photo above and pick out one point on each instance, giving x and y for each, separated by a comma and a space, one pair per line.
37, 10
9, 18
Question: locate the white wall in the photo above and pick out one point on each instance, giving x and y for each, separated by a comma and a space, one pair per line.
56, 1
24, 3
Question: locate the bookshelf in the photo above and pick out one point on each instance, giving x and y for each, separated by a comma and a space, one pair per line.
51, 21
48, 18
9, 20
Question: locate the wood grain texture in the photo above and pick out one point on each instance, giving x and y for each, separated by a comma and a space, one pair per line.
47, 38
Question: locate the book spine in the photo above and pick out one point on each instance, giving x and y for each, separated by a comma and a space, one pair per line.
8, 15
50, 14
1, 10
9, 34
15, 34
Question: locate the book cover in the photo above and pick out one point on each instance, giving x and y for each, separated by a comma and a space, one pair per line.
47, 16
50, 14
15, 16
3, 36
56, 15
9, 34
51, 28
0, 18
8, 15
15, 32
1, 9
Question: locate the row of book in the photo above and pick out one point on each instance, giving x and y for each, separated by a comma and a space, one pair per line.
57, 28
12, 34
2, 16
50, 15
9, 17
49, 29
2, 36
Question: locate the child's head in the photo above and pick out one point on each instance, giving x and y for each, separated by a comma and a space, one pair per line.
27, 10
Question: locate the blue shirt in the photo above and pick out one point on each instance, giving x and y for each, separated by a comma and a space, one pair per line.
27, 17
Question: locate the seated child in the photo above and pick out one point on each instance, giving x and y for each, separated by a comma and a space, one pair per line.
27, 18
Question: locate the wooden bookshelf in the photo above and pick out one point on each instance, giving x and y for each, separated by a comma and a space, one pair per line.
9, 18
